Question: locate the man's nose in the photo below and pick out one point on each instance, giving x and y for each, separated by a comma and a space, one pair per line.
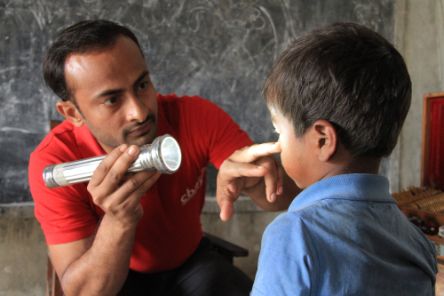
136, 110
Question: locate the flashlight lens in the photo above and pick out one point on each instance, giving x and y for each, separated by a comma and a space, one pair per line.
171, 154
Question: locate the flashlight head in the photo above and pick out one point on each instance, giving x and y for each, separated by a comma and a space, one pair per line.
163, 155
170, 154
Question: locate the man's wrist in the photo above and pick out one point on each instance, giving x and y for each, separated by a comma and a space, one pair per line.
119, 224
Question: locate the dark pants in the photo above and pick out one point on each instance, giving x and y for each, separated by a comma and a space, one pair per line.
205, 273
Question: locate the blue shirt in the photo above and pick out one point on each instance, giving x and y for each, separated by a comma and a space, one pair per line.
345, 235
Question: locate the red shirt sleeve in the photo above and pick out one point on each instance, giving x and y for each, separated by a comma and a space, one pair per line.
217, 130
66, 213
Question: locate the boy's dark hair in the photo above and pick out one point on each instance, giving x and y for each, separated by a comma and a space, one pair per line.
348, 75
81, 37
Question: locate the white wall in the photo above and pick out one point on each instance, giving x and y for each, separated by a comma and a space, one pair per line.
419, 36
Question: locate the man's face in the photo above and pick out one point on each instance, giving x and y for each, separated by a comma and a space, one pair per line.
113, 93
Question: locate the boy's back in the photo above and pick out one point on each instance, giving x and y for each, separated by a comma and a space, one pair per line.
338, 98
345, 235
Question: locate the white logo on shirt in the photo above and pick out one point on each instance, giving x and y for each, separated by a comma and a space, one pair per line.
190, 192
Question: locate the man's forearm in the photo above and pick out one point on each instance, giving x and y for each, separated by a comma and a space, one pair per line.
103, 269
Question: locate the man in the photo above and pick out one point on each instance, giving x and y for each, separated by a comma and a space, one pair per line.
140, 233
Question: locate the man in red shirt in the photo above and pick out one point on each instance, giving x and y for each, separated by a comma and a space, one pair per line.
139, 234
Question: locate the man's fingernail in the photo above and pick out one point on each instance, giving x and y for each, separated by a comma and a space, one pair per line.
272, 197
132, 150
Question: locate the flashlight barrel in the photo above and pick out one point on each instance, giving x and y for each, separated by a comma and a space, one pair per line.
163, 155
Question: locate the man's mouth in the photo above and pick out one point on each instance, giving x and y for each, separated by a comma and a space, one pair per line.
142, 128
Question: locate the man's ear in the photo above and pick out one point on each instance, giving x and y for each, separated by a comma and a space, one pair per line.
70, 112
326, 139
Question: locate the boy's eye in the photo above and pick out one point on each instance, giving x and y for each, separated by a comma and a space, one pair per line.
275, 130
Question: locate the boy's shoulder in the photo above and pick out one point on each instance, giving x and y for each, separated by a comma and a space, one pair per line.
287, 226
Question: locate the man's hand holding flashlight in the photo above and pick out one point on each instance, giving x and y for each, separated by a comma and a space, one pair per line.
116, 192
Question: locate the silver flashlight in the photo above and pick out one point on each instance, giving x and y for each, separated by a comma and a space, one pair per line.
163, 155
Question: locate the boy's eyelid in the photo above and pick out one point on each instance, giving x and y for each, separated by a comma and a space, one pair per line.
276, 130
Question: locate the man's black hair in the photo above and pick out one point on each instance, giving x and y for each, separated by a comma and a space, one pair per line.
81, 37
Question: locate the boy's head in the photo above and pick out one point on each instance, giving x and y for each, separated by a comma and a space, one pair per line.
343, 79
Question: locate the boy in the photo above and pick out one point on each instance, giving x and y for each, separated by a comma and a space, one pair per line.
338, 98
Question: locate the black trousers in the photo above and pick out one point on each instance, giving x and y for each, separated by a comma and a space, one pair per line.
205, 273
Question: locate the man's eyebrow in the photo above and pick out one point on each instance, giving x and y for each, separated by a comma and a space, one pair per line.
111, 92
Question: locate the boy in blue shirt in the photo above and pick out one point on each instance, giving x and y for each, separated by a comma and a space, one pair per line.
338, 97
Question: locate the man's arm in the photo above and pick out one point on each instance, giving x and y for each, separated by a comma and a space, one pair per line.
98, 265
253, 171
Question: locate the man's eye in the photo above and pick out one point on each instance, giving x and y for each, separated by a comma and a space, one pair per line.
143, 85
110, 101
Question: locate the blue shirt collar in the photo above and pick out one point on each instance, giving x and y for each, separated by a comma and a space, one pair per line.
358, 187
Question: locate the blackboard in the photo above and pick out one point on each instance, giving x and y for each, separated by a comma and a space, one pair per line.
221, 50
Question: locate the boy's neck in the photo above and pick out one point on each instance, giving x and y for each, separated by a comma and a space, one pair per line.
363, 165
344, 163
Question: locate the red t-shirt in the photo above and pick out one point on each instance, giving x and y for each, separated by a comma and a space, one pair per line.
170, 229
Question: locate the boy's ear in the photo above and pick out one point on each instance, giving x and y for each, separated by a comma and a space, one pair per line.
326, 139
70, 112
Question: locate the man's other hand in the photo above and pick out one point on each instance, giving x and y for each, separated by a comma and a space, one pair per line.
248, 170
